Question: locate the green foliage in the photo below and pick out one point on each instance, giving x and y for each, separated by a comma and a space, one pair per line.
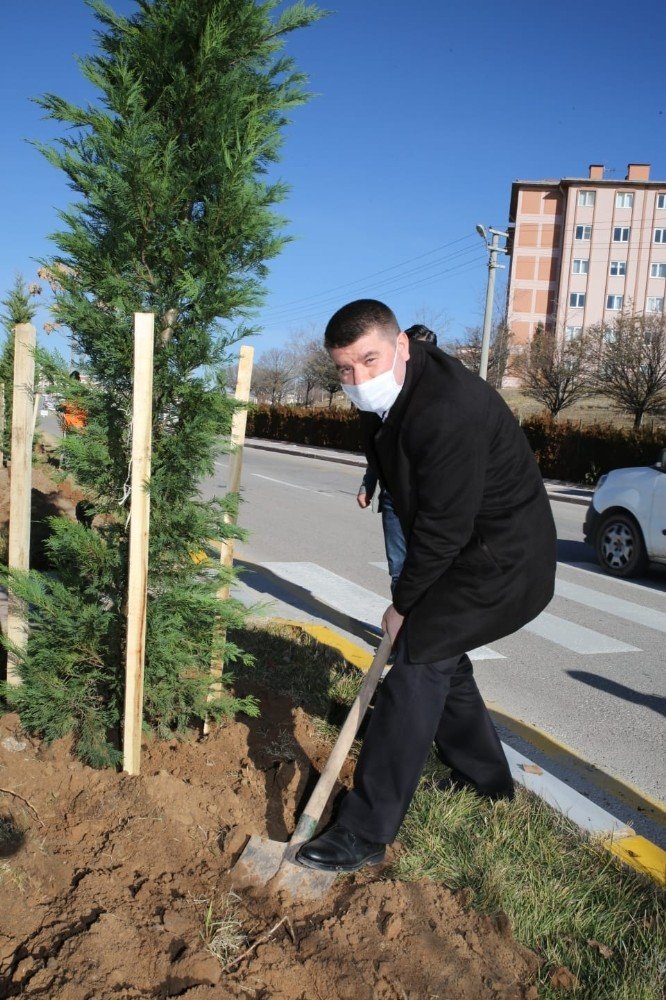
175, 216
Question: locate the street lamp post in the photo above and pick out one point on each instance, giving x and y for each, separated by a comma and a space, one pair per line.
493, 249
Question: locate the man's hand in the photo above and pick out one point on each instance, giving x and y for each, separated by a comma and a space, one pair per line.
392, 622
363, 500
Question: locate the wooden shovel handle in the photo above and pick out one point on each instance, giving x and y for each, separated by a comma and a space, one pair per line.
311, 815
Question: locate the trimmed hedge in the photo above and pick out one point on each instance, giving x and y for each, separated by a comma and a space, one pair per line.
564, 450
304, 425
581, 454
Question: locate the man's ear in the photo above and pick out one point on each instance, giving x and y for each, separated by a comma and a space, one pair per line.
403, 345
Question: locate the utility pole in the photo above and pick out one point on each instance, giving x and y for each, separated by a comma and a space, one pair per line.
493, 249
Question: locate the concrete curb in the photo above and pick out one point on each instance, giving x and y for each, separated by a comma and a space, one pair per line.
564, 492
638, 852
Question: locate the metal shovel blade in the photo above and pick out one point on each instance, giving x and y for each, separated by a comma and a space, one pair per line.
267, 863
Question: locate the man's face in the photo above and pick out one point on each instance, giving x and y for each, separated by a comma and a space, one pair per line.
372, 354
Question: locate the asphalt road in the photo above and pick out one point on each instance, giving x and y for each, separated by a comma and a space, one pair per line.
589, 672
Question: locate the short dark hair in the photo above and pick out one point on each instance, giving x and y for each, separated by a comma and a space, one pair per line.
353, 320
421, 332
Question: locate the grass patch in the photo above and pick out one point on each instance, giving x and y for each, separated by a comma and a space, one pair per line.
567, 897
290, 662
223, 934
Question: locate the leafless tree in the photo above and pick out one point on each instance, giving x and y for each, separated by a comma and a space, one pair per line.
469, 351
275, 373
631, 363
554, 371
321, 371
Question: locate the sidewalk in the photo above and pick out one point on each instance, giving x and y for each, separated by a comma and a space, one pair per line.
567, 492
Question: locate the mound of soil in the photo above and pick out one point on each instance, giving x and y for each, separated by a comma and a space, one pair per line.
116, 886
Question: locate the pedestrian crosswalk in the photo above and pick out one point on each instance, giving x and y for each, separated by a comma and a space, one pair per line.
560, 629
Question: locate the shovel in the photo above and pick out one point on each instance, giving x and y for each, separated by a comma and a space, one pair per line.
270, 861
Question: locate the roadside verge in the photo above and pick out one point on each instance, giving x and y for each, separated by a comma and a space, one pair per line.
616, 836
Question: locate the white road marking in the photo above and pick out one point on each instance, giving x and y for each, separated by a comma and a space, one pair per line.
577, 638
615, 606
594, 570
580, 810
294, 486
348, 597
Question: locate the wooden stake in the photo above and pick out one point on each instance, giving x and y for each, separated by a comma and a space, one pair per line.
137, 591
25, 337
238, 425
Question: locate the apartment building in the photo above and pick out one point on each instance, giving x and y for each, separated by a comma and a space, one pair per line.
582, 249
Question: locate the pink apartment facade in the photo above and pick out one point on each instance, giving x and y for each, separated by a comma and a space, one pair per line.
583, 249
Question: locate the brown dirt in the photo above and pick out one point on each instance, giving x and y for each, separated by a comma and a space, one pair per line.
106, 880
48, 500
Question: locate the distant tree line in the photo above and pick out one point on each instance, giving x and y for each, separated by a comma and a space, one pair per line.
623, 360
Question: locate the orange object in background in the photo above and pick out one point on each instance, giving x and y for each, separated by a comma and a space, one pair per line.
72, 417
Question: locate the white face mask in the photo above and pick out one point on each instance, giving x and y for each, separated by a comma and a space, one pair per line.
378, 394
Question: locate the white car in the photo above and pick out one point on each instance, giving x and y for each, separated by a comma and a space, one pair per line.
626, 520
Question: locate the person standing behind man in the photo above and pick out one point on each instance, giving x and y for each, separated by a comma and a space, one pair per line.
394, 541
480, 564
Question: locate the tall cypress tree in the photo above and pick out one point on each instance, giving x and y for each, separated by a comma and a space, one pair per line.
174, 215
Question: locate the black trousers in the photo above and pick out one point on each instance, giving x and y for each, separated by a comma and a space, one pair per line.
416, 704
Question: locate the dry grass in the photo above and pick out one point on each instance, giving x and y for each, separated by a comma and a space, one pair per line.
594, 410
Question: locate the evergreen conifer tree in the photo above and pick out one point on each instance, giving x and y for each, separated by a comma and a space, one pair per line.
175, 215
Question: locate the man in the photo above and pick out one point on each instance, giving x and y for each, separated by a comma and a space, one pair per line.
394, 541
480, 564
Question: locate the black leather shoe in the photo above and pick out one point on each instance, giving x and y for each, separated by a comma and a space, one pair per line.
340, 850
456, 782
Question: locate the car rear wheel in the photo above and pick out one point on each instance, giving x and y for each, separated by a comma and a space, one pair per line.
620, 546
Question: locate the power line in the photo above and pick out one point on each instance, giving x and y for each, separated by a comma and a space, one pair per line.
321, 309
326, 299
285, 305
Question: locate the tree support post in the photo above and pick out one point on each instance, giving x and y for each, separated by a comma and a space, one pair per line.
25, 337
137, 590
238, 426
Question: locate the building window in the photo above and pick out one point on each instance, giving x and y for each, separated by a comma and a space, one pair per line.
618, 267
655, 304
577, 300
580, 266
624, 199
571, 332
660, 235
583, 232
614, 301
658, 270
661, 201
621, 234
586, 198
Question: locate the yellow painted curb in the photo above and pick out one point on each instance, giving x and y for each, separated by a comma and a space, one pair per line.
642, 855
358, 657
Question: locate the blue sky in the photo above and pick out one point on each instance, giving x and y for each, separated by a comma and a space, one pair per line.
425, 113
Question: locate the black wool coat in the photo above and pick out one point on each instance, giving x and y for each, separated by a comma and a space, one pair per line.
481, 541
